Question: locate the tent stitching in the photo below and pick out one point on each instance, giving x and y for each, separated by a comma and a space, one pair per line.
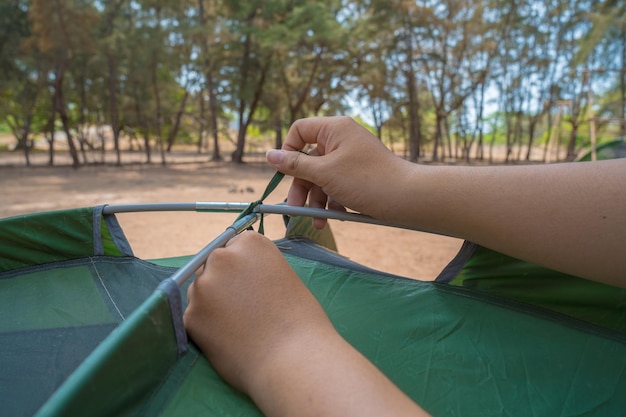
93, 264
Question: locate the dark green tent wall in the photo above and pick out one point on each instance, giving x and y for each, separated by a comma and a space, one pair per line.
609, 150
88, 329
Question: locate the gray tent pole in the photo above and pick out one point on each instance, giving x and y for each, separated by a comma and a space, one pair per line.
183, 274
185, 206
284, 209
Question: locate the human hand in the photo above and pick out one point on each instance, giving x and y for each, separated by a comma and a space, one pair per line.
267, 336
247, 305
347, 168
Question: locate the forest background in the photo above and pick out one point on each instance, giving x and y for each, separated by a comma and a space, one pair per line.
443, 80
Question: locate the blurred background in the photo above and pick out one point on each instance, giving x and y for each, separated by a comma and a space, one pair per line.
472, 81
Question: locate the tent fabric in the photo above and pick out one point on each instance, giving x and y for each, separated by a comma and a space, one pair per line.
54, 315
102, 335
121, 375
303, 226
492, 273
608, 150
59, 235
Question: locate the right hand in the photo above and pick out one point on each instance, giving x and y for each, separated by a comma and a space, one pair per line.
347, 168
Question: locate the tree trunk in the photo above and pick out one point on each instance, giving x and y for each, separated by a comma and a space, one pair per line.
531, 137
480, 124
571, 144
246, 119
278, 131
113, 110
296, 109
201, 121
82, 139
622, 83
50, 141
21, 135
179, 115
509, 138
112, 73
159, 116
50, 130
446, 132
518, 135
414, 122
59, 102
145, 132
217, 156
237, 155
208, 77
100, 133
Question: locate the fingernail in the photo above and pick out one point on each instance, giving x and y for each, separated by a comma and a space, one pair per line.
275, 156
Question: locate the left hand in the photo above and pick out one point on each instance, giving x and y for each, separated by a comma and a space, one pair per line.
247, 305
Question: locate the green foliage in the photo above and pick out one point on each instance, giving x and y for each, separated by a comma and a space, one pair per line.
442, 70
13, 28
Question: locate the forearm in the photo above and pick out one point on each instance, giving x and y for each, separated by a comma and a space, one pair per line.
569, 217
325, 376
266, 334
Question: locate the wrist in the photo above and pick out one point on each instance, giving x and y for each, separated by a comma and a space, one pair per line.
402, 193
288, 366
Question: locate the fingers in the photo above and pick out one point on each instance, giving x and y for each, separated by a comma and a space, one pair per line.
308, 182
222, 259
333, 205
297, 164
309, 131
318, 131
306, 169
234, 244
335, 167
233, 241
298, 192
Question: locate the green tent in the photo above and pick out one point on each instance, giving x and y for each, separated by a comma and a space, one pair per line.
608, 150
88, 329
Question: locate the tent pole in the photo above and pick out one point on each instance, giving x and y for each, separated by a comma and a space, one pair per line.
283, 209
183, 274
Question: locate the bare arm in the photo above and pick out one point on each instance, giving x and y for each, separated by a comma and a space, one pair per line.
268, 336
569, 217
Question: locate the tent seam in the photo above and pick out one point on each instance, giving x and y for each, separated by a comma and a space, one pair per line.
106, 289
534, 310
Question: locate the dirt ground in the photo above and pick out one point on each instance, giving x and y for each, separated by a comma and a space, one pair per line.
153, 235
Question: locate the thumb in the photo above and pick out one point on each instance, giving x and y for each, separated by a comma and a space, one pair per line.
294, 163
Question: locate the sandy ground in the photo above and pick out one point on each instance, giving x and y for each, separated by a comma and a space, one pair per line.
153, 235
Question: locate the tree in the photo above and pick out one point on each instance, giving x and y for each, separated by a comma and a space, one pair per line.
249, 63
419, 69
208, 39
405, 22
60, 42
309, 58
375, 78
607, 36
110, 48
21, 75
456, 60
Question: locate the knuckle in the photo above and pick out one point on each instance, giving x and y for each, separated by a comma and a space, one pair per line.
293, 162
219, 257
